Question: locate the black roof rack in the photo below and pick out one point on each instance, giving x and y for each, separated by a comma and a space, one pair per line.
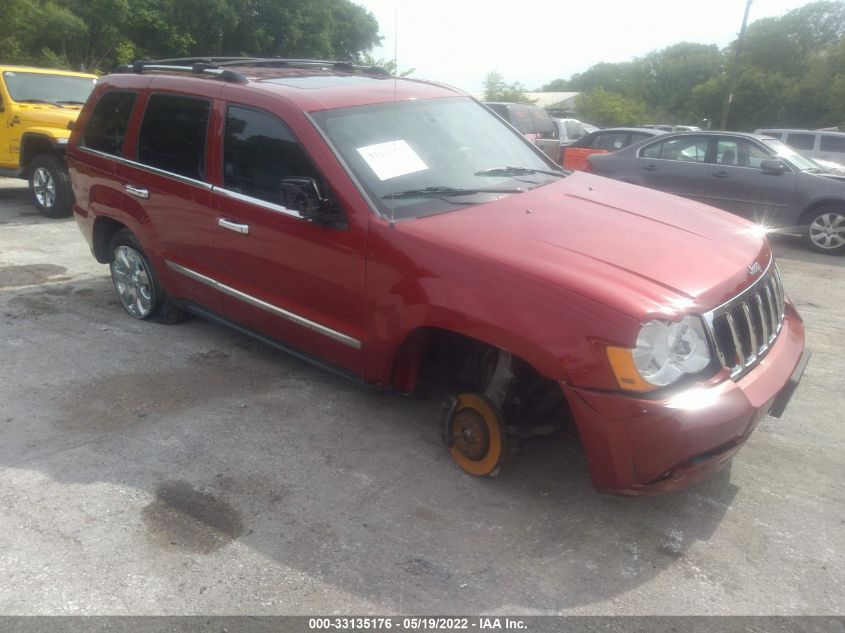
216, 66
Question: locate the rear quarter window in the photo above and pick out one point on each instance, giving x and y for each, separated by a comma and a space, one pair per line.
106, 128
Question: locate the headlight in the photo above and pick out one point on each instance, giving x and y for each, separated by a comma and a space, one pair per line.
665, 351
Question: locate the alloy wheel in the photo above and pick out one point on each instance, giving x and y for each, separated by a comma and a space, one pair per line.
44, 187
133, 281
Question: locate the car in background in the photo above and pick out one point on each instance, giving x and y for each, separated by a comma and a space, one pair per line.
571, 130
533, 122
574, 156
754, 176
38, 107
815, 144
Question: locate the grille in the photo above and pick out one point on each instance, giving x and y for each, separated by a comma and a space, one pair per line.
744, 328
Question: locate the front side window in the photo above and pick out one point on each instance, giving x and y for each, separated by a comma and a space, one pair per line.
259, 152
691, 149
59, 90
427, 156
740, 153
173, 135
106, 128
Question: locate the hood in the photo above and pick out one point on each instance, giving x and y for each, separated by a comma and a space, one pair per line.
45, 115
645, 253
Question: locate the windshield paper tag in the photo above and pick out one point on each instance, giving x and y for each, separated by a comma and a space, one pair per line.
392, 159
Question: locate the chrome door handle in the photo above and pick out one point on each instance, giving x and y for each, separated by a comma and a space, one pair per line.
137, 191
243, 229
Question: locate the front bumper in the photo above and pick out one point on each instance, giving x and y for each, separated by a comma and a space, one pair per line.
637, 446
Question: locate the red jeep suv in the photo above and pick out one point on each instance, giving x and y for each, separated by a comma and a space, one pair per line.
396, 230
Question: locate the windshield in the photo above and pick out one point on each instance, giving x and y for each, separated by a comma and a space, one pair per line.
784, 151
38, 88
427, 156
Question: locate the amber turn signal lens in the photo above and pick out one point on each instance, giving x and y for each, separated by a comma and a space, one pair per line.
627, 376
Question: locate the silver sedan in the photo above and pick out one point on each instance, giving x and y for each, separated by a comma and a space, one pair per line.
754, 176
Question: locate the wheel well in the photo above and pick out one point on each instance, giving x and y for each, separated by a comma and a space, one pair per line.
439, 359
806, 213
32, 145
104, 230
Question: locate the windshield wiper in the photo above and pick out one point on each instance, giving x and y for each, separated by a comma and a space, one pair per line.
53, 103
434, 192
517, 171
70, 101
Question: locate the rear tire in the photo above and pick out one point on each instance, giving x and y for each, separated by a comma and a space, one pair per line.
50, 186
136, 283
825, 229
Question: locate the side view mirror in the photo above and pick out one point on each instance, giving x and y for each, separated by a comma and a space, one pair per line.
772, 166
302, 194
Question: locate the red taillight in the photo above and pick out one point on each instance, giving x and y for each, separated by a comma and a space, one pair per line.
588, 166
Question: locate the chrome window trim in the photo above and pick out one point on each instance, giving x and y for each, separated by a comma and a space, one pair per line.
148, 168
340, 337
264, 204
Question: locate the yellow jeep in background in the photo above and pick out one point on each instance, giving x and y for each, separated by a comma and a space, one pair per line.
38, 107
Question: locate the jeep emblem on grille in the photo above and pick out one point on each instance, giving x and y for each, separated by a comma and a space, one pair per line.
754, 269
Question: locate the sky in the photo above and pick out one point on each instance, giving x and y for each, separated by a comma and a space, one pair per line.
459, 41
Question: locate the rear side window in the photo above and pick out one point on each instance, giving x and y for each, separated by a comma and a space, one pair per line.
173, 135
689, 149
258, 152
106, 128
832, 143
801, 141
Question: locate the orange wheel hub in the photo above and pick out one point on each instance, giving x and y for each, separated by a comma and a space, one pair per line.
476, 435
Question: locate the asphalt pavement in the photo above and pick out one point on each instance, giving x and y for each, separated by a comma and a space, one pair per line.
152, 469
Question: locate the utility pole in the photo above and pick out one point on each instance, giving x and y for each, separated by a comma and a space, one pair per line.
730, 98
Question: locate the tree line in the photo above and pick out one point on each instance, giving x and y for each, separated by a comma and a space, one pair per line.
96, 35
790, 73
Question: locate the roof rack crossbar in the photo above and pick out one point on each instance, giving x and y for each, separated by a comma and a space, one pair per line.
198, 68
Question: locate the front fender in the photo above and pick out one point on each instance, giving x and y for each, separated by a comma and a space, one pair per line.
413, 284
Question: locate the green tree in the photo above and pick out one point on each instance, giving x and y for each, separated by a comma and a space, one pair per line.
496, 89
608, 109
97, 34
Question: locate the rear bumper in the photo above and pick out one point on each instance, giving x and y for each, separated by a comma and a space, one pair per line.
636, 446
